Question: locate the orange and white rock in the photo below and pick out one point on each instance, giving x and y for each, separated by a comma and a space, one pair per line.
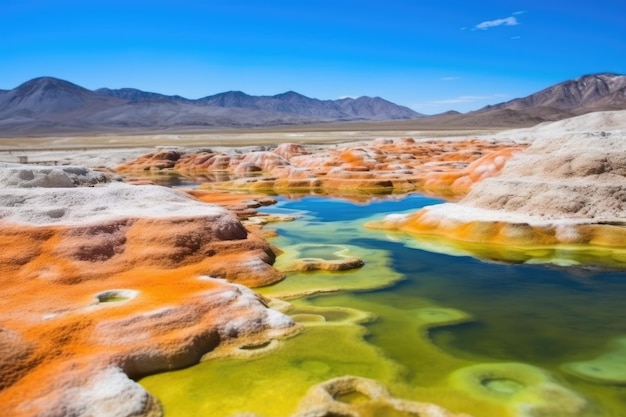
381, 166
105, 284
564, 189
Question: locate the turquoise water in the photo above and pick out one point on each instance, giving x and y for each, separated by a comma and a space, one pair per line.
482, 338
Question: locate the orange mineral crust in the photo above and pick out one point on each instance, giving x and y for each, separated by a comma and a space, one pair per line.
492, 236
435, 220
71, 349
244, 205
102, 285
381, 166
71, 254
562, 198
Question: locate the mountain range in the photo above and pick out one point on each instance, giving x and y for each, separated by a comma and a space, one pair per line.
49, 105
585, 94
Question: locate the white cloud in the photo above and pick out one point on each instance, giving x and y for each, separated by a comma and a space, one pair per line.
519, 12
507, 21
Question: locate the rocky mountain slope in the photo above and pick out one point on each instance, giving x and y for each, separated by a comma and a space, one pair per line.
593, 92
47, 105
294, 103
586, 94
47, 96
53, 104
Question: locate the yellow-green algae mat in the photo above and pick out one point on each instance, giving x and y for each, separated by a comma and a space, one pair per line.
333, 345
608, 368
277, 381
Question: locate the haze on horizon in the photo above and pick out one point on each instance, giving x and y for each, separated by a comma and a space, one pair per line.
429, 56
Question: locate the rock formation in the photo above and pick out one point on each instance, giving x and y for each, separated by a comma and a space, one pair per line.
111, 282
356, 396
564, 190
381, 167
320, 257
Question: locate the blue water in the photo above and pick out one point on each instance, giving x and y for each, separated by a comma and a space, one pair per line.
545, 315
325, 209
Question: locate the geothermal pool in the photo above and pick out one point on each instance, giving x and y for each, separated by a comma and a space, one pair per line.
486, 339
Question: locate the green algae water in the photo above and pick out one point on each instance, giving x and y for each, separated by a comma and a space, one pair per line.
474, 337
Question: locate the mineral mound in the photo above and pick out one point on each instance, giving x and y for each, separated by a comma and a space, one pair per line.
382, 166
107, 282
563, 190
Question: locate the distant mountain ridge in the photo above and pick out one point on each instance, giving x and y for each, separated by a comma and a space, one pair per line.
50, 95
289, 102
134, 94
604, 91
46, 104
585, 94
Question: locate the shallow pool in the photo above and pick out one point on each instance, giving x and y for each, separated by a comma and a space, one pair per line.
474, 337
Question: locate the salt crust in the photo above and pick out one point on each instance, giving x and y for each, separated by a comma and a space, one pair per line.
599, 124
92, 205
460, 213
68, 195
573, 173
110, 392
30, 176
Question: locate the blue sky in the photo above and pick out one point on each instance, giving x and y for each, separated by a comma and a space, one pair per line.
432, 56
